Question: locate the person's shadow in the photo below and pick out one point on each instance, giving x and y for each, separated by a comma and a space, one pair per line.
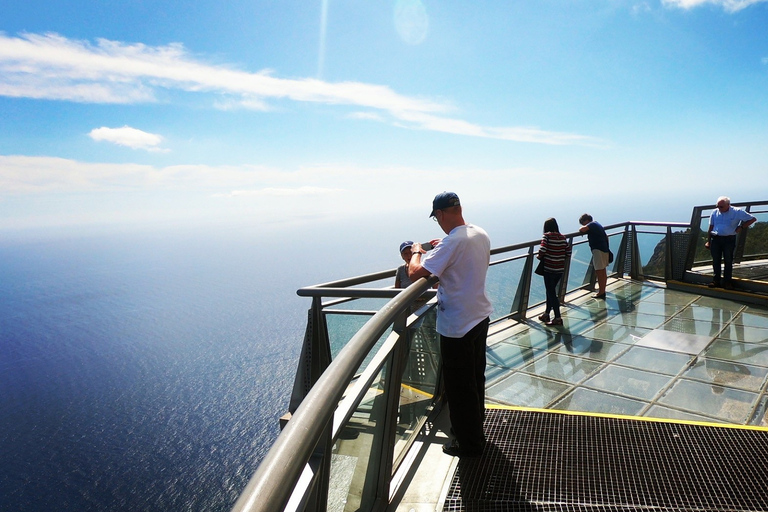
490, 483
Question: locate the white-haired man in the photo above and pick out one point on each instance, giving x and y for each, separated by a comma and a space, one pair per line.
724, 223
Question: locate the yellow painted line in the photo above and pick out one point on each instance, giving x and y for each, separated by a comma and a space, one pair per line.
628, 417
417, 391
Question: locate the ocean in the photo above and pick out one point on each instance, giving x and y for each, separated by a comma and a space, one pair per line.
146, 369
141, 371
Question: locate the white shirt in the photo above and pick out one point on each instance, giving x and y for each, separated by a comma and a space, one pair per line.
461, 261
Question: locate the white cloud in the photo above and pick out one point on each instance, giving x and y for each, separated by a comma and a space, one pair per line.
39, 175
368, 116
728, 5
53, 67
129, 137
282, 192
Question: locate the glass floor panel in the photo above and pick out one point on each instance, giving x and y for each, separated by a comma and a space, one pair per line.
654, 360
659, 411
563, 368
738, 352
617, 333
678, 324
638, 320
741, 332
727, 373
719, 303
670, 297
629, 382
527, 390
510, 355
729, 404
582, 399
657, 308
596, 361
598, 350
750, 319
707, 314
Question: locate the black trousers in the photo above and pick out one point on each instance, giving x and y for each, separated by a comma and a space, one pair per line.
722, 248
464, 377
550, 284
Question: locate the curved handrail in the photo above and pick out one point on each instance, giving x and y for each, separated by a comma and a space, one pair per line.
274, 481
271, 486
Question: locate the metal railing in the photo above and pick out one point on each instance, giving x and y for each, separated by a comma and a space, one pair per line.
349, 408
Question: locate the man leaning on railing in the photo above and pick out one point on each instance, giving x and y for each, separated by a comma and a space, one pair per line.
461, 262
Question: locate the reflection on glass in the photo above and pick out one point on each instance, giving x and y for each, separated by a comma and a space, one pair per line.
702, 253
658, 411
750, 319
581, 257
756, 242
342, 327
593, 348
653, 360
652, 253
563, 368
628, 381
736, 351
501, 284
582, 399
526, 390
740, 332
728, 373
712, 328
710, 399
355, 460
419, 380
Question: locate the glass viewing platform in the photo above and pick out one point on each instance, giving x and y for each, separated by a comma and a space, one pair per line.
367, 420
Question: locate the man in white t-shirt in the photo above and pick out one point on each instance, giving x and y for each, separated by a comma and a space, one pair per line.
461, 261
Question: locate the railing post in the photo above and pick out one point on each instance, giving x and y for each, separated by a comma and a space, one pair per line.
563, 288
315, 354
635, 264
668, 255
381, 477
621, 255
520, 304
693, 243
741, 242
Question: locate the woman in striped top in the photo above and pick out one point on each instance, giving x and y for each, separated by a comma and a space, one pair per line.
553, 251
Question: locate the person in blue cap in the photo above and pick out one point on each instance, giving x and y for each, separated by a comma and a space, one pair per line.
461, 262
401, 276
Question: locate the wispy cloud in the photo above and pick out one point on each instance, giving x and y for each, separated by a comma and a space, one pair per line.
50, 66
282, 192
728, 5
129, 137
21, 174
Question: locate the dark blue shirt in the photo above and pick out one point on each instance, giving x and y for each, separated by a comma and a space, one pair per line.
597, 237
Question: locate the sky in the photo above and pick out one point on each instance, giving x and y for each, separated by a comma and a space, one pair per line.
276, 114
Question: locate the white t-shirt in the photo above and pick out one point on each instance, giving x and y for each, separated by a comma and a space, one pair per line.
460, 260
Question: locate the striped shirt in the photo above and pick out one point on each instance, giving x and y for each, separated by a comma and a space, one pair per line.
553, 251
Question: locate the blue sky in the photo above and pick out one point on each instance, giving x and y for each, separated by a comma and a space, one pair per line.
289, 112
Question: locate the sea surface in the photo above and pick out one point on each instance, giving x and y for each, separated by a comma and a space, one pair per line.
141, 371
146, 369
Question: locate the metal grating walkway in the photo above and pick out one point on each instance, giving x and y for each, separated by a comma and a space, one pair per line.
551, 461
